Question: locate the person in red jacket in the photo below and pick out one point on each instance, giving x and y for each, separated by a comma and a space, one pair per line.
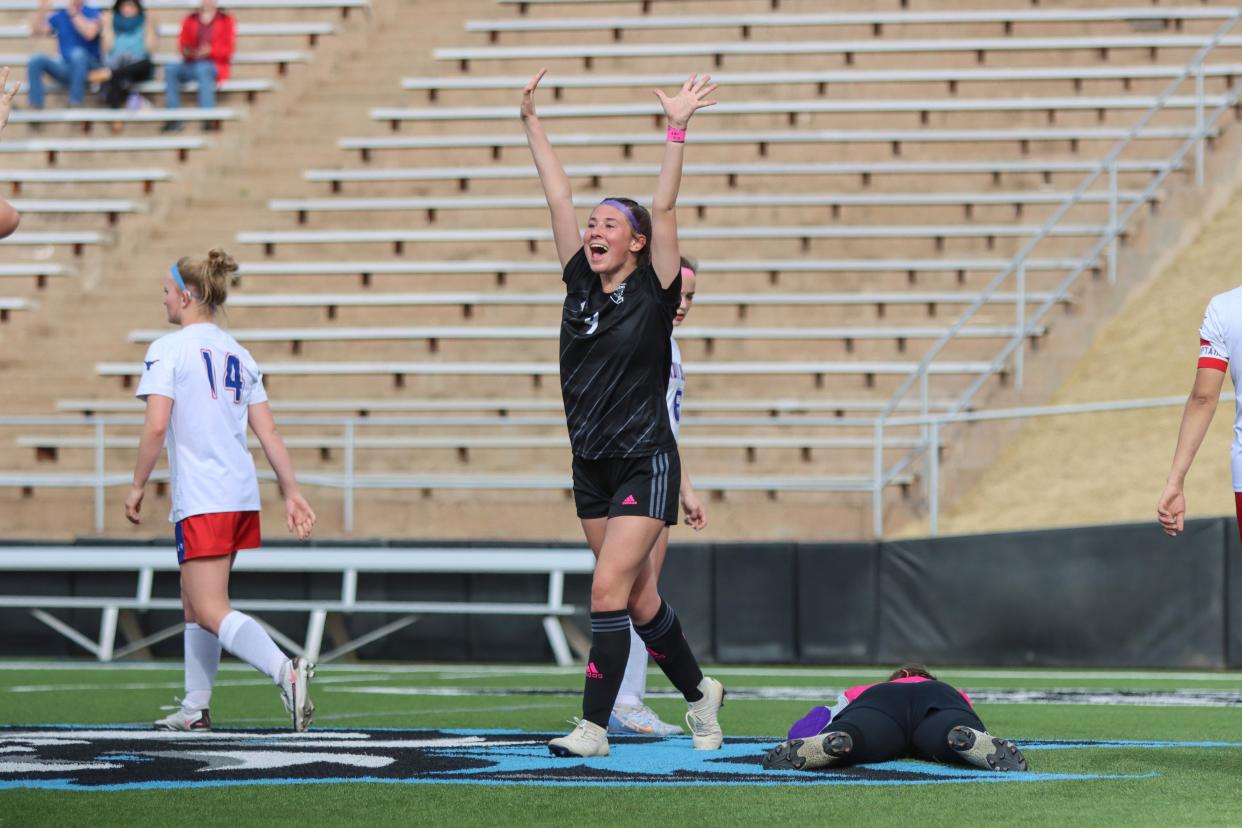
208, 38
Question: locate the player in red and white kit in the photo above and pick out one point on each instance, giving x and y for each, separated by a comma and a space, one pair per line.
202, 389
1220, 340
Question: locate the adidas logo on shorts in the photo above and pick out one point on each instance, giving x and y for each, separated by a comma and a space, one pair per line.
629, 501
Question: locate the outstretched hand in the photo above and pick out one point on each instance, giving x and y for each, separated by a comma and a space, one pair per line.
688, 99
528, 95
6, 96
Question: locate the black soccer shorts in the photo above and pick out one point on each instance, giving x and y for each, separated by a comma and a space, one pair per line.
619, 486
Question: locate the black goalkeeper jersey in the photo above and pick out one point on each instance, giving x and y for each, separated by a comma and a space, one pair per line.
615, 358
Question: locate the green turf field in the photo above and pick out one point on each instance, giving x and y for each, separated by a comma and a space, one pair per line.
1156, 785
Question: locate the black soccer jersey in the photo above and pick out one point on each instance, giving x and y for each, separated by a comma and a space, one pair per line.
615, 358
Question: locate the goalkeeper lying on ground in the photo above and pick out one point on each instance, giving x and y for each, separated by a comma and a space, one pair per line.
909, 715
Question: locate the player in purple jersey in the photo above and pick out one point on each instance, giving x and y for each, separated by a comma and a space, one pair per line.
623, 285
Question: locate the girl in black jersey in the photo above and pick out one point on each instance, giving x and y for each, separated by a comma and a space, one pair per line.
623, 286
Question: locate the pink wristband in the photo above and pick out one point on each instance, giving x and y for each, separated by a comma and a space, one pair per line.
677, 136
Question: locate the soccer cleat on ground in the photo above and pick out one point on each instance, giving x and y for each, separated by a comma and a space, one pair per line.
822, 751
179, 719
983, 750
586, 739
701, 717
639, 718
295, 692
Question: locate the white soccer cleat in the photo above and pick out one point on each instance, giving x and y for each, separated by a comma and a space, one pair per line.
640, 719
186, 721
586, 739
983, 750
295, 692
701, 717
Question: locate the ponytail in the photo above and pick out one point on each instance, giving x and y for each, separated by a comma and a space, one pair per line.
209, 280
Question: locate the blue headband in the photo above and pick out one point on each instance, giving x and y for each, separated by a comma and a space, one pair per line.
176, 274
612, 202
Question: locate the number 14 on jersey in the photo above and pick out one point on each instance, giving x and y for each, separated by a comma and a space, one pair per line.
232, 374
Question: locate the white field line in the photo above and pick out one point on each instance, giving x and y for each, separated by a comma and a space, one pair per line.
176, 685
464, 671
1065, 696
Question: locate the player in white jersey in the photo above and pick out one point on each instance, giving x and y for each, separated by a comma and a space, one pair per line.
9, 217
1220, 342
630, 714
202, 389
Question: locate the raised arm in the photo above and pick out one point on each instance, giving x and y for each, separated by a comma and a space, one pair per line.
556, 189
665, 252
1196, 417
9, 217
38, 19
154, 427
299, 516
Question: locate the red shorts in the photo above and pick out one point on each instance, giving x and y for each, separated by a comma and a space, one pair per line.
1237, 507
215, 534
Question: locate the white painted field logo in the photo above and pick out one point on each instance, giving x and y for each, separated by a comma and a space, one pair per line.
88, 758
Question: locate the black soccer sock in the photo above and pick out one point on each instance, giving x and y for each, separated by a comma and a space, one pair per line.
610, 649
667, 645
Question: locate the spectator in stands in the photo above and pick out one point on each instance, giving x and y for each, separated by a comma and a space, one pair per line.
623, 286
9, 217
909, 715
208, 39
129, 41
77, 29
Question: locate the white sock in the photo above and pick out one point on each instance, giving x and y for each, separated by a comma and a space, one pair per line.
202, 659
634, 682
242, 636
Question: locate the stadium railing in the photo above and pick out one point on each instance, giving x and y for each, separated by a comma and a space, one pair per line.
146, 177
530, 332
803, 234
53, 147
1010, 358
79, 239
876, 19
762, 139
840, 18
924, 108
1018, 200
10, 304
790, 411
731, 171
349, 480
980, 47
350, 563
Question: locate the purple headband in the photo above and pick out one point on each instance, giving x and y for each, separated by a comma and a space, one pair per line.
612, 202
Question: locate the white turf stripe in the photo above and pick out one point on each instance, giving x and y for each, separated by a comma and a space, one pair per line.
469, 671
1067, 696
177, 685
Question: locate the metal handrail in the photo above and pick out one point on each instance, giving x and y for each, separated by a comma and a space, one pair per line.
881, 476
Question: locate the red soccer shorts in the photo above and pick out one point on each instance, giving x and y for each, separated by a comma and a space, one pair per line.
215, 534
1237, 507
